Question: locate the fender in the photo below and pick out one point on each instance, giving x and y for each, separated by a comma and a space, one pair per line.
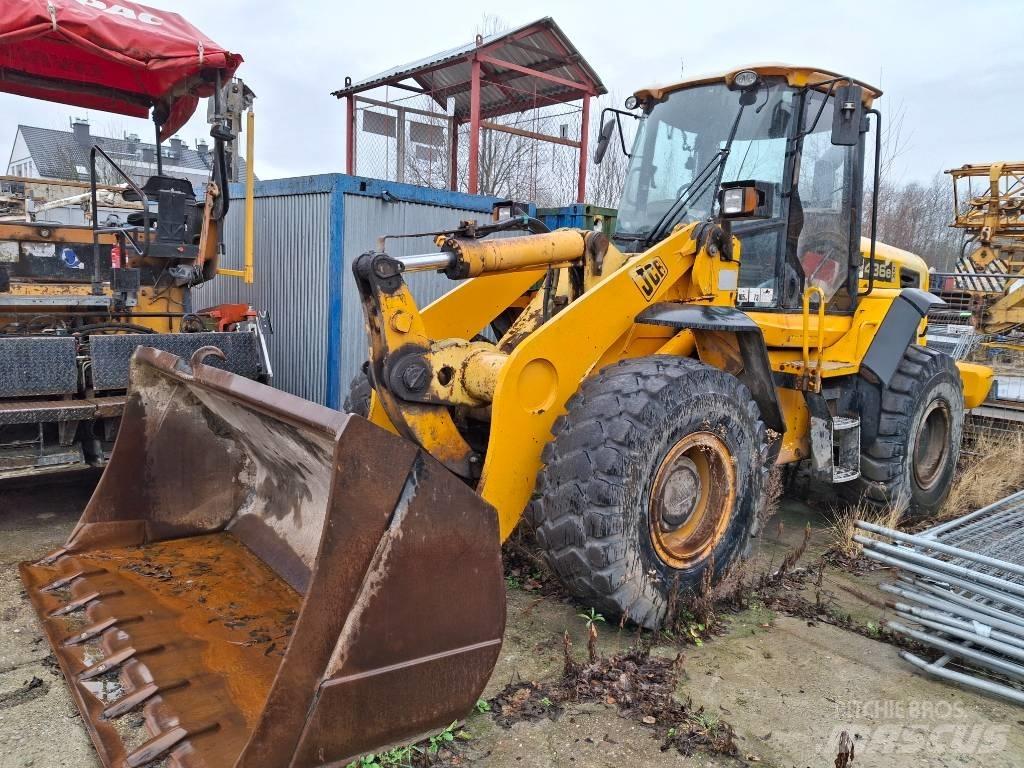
756, 371
898, 330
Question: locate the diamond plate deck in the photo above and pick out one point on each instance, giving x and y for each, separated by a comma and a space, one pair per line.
111, 355
32, 366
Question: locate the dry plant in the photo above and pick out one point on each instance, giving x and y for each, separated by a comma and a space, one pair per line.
842, 528
774, 485
991, 468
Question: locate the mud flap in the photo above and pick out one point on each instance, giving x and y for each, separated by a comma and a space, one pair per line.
261, 581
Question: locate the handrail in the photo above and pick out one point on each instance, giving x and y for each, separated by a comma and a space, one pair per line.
248, 271
816, 383
96, 230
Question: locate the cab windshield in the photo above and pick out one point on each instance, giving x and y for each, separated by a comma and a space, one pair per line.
683, 148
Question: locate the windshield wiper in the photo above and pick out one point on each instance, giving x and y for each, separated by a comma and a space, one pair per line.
698, 184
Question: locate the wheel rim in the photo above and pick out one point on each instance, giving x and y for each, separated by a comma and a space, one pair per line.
932, 445
692, 499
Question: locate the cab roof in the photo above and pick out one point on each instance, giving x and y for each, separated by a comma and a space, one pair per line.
797, 77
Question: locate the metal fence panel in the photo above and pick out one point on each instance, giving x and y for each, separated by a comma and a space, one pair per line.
292, 264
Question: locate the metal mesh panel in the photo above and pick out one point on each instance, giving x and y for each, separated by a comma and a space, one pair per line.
400, 142
963, 583
409, 138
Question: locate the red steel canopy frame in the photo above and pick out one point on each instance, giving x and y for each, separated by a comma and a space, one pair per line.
119, 57
491, 77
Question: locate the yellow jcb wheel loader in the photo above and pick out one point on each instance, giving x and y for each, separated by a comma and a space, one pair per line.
272, 583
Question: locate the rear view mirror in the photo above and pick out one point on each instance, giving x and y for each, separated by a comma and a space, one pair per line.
847, 115
780, 121
603, 139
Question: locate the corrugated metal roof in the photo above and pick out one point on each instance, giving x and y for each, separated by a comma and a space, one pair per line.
540, 45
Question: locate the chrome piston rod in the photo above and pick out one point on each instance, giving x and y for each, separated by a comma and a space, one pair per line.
426, 262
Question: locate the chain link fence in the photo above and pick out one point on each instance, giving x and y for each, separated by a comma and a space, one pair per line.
528, 155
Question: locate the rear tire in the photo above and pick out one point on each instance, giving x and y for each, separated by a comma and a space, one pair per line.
654, 473
913, 459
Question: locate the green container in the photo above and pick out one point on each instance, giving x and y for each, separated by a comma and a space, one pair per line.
580, 216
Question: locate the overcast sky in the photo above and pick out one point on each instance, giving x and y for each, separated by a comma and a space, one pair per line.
962, 98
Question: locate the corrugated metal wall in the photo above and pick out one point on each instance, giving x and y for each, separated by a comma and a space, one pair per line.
292, 261
366, 219
308, 232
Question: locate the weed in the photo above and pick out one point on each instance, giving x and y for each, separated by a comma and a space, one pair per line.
483, 705
513, 582
446, 737
424, 753
705, 720
399, 757
591, 617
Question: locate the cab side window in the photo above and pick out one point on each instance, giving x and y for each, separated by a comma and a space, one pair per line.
820, 208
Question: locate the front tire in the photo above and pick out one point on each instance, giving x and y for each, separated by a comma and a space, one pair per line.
912, 461
357, 400
654, 474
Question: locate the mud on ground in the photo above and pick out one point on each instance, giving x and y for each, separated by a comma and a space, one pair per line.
784, 681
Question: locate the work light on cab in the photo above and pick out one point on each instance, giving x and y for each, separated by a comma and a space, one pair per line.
745, 200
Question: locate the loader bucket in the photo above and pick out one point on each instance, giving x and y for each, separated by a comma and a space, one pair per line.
261, 581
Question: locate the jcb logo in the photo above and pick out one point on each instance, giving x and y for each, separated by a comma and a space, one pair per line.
649, 276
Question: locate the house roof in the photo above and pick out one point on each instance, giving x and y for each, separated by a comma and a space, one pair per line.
59, 154
540, 46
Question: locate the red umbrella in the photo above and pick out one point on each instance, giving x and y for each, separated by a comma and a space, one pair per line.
117, 57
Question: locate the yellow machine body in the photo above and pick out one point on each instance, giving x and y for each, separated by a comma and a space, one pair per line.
595, 309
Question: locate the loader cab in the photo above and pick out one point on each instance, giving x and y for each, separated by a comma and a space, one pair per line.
765, 128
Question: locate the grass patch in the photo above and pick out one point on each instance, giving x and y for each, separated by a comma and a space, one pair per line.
842, 527
991, 468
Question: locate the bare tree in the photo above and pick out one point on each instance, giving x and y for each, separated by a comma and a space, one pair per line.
913, 216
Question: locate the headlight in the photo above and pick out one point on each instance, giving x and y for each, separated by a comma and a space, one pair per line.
746, 79
631, 102
732, 201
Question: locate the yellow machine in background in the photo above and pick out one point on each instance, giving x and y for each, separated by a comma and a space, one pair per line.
992, 218
736, 321
76, 300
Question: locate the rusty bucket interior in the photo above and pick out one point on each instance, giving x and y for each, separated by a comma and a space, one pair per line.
262, 581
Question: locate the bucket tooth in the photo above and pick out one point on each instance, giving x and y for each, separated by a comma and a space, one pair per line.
54, 556
132, 700
79, 603
65, 581
94, 630
163, 743
114, 661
